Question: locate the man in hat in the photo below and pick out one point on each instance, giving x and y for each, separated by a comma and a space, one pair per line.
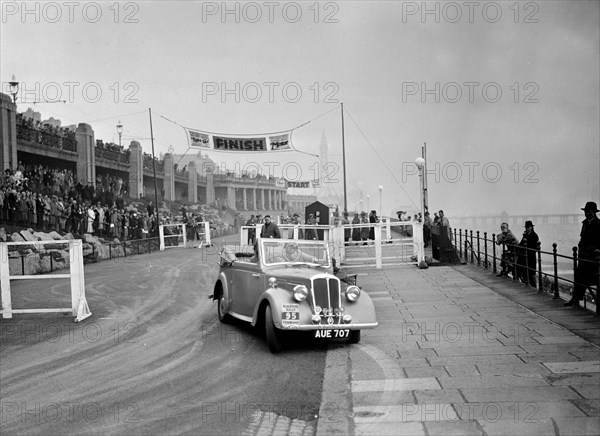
347, 229
588, 248
372, 220
297, 221
269, 229
311, 234
251, 222
528, 263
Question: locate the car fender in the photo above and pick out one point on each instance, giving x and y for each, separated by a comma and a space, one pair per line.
222, 279
363, 310
274, 297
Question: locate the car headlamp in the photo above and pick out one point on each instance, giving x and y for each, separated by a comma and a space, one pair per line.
352, 293
272, 282
300, 293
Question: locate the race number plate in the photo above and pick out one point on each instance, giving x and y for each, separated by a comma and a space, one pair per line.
290, 314
325, 334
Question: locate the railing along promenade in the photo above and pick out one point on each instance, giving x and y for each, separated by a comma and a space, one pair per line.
112, 155
474, 247
46, 138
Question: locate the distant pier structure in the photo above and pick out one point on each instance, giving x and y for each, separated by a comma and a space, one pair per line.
475, 221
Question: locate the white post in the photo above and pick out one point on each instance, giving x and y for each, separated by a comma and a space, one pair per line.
161, 237
207, 234
5, 281
184, 235
419, 243
243, 235
388, 229
296, 233
76, 271
337, 242
378, 253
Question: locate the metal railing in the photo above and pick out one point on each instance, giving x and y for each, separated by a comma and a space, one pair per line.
112, 155
46, 138
515, 259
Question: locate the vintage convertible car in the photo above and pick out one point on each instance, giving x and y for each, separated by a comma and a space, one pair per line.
289, 285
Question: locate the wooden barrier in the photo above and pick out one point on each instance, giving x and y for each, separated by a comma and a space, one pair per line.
79, 306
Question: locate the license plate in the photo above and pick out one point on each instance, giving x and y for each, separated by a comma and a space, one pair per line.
328, 334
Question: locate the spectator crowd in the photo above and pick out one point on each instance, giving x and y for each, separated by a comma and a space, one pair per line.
46, 134
51, 199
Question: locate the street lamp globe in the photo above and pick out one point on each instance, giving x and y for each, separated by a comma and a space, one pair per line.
420, 162
119, 131
14, 88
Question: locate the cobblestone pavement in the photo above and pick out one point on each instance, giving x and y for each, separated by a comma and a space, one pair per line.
453, 356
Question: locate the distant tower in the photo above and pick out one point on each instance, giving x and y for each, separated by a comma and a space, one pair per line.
326, 190
323, 153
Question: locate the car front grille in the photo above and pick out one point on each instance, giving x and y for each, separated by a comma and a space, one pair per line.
326, 292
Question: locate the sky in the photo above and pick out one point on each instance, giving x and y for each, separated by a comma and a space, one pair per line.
506, 95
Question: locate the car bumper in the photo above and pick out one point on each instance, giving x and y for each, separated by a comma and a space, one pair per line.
312, 327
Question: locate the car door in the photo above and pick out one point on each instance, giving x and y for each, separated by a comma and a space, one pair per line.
248, 284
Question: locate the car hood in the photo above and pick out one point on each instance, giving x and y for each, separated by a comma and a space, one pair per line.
295, 274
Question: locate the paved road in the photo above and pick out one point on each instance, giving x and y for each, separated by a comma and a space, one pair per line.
153, 359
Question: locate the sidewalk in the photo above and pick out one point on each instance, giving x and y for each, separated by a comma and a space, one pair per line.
454, 354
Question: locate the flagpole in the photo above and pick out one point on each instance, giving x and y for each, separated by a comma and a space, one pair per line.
425, 200
344, 160
153, 167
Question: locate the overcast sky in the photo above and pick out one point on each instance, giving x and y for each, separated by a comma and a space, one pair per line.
505, 94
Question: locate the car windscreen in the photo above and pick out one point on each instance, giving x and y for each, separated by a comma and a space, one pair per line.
314, 253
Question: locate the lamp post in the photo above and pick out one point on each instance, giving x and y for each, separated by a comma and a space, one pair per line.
420, 162
119, 131
421, 165
368, 201
380, 200
14, 88
361, 204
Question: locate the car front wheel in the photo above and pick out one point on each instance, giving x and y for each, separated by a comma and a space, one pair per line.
223, 317
273, 333
354, 337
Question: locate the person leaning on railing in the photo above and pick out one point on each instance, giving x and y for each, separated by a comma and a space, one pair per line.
589, 249
527, 260
508, 240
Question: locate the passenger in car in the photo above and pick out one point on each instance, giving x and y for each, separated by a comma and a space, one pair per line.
255, 257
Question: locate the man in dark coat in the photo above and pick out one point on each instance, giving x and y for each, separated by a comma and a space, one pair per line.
347, 230
150, 209
251, 231
588, 248
528, 261
311, 234
372, 220
269, 229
